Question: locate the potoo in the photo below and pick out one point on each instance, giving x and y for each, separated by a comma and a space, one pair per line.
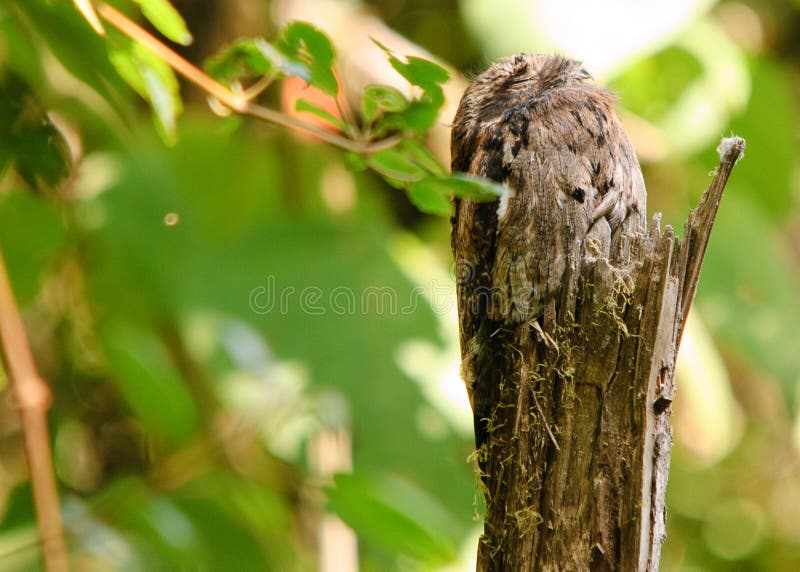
539, 125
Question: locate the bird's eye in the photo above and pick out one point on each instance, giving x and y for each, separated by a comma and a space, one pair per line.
579, 194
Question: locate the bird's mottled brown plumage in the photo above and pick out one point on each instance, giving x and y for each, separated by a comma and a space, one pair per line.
537, 124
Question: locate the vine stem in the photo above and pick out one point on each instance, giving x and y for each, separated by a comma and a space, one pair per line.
33, 398
240, 103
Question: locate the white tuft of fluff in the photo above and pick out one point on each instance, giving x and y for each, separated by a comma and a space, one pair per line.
502, 208
728, 145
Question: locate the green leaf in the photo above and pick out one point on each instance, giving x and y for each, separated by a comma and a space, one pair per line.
161, 96
432, 195
28, 139
128, 69
417, 71
244, 58
308, 107
409, 162
82, 52
143, 272
149, 382
287, 65
396, 516
355, 162
422, 156
166, 19
429, 198
22, 52
155, 81
32, 237
395, 164
227, 542
305, 43
469, 187
381, 98
424, 73
422, 114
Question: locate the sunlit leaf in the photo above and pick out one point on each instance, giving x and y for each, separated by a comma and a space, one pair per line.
422, 112
468, 186
289, 66
417, 71
161, 96
432, 195
128, 69
155, 81
424, 73
166, 19
305, 43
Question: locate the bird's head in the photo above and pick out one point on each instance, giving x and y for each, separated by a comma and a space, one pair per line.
520, 77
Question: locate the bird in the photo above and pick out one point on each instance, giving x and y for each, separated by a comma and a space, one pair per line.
540, 126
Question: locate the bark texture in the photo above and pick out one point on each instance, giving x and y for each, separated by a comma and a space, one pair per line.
576, 456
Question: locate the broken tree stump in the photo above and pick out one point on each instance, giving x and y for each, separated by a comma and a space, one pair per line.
578, 450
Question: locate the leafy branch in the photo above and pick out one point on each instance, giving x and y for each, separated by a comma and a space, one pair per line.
386, 136
238, 102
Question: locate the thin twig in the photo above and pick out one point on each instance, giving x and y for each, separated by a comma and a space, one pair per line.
272, 116
258, 87
240, 103
33, 399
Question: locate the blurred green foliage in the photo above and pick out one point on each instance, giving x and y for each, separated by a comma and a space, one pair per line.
209, 299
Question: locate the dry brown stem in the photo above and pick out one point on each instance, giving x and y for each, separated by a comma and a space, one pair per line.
33, 399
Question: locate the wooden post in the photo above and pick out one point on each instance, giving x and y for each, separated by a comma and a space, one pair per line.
579, 441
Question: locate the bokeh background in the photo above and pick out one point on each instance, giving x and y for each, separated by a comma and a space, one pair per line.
253, 350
